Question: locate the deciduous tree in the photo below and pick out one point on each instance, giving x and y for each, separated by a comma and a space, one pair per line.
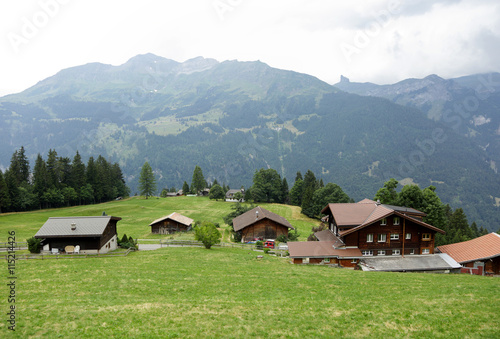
147, 181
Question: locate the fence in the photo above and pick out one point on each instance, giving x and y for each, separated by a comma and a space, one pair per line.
69, 256
5, 246
193, 243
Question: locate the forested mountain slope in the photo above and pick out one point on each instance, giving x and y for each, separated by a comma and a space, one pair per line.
232, 118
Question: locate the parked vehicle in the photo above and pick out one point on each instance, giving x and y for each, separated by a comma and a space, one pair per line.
269, 244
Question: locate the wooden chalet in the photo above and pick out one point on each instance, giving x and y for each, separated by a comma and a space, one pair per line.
479, 256
368, 229
171, 223
88, 234
259, 223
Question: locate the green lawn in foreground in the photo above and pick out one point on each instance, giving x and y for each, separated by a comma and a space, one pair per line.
224, 292
137, 213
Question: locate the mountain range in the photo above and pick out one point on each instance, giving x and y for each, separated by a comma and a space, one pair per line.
232, 118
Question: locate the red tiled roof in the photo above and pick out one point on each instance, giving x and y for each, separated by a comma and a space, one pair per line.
349, 214
485, 247
320, 249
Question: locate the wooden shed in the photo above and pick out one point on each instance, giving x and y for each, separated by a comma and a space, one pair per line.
171, 223
260, 223
89, 234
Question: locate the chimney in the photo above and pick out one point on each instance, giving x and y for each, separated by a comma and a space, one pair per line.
256, 214
73, 226
378, 201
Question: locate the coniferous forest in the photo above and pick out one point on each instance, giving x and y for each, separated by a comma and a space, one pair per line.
58, 181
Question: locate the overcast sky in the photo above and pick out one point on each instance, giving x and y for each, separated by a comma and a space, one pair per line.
381, 41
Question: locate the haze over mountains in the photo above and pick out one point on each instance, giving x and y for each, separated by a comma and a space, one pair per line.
232, 118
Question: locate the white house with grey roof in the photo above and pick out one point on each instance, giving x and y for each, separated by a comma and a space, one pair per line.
90, 234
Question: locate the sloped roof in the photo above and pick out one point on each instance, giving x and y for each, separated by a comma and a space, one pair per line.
349, 214
60, 227
484, 247
249, 218
366, 212
320, 249
176, 217
327, 235
429, 262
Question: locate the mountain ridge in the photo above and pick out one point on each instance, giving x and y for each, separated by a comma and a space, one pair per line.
232, 118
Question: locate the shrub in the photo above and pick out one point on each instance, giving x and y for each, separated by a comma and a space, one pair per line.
208, 234
259, 244
34, 245
282, 238
293, 235
266, 250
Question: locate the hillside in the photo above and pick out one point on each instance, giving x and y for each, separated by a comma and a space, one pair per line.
188, 292
232, 118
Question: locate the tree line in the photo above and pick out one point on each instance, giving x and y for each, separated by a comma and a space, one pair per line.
58, 181
312, 195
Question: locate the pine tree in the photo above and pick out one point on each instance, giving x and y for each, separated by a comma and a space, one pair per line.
40, 180
185, 188
147, 181
198, 182
4, 194
310, 186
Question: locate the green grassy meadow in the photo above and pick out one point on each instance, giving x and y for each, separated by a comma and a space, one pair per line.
225, 292
137, 213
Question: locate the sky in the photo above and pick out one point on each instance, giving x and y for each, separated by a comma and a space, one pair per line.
380, 41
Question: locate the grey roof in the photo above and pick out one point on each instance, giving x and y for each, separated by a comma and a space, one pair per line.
176, 217
410, 263
403, 209
58, 227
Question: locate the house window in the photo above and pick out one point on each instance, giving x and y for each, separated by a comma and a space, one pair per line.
412, 251
394, 236
381, 252
369, 237
396, 221
382, 237
426, 236
367, 253
396, 252
327, 260
354, 261
383, 222
305, 261
408, 236
425, 251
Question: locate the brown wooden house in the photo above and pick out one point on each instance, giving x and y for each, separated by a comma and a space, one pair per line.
373, 230
259, 223
171, 223
478, 256
89, 234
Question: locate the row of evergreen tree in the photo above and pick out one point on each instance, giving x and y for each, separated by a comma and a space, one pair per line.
58, 181
312, 196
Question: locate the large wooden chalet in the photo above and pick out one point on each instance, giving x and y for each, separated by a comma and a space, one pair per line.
88, 234
367, 229
259, 223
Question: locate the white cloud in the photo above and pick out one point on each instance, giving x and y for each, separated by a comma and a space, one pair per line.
414, 40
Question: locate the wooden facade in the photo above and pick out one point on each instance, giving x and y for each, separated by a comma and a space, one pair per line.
387, 238
168, 226
263, 229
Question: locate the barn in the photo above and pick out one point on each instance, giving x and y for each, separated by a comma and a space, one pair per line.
88, 234
171, 223
262, 224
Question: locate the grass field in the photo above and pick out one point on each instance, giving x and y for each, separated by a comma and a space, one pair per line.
137, 213
225, 292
